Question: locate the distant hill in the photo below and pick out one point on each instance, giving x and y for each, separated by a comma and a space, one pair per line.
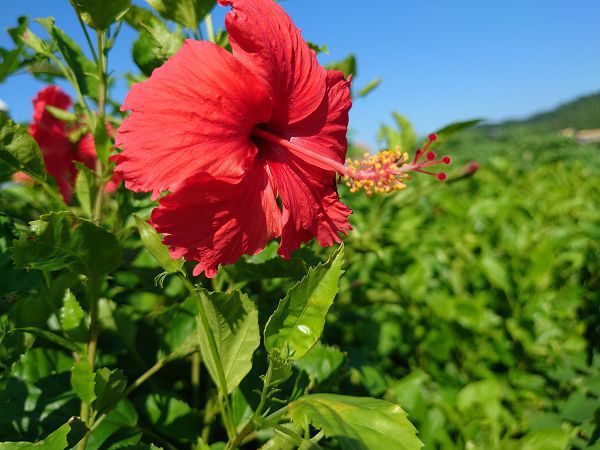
581, 113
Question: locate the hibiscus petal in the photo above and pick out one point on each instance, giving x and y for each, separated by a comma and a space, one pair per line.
43, 121
263, 36
325, 129
51, 135
194, 114
311, 206
215, 221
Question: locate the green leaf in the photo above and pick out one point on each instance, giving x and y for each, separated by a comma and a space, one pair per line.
321, 362
121, 420
9, 59
66, 436
109, 386
85, 191
153, 243
102, 141
455, 127
83, 380
171, 416
84, 70
298, 322
50, 337
347, 66
62, 241
408, 137
19, 151
34, 42
99, 14
369, 87
233, 319
61, 114
579, 408
357, 423
72, 318
185, 12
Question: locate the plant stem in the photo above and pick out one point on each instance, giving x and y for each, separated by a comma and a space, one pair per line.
195, 378
100, 35
92, 288
87, 36
249, 427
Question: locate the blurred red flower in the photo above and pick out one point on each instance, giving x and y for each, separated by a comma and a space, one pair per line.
228, 134
52, 135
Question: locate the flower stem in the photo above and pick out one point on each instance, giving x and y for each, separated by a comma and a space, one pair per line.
87, 35
101, 37
251, 424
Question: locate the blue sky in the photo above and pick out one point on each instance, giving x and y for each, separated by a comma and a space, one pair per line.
440, 60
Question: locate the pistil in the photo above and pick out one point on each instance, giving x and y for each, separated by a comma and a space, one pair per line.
385, 171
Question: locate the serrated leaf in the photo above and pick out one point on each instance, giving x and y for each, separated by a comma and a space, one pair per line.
99, 14
84, 70
109, 386
72, 318
66, 436
153, 243
357, 423
233, 319
19, 151
185, 12
60, 240
83, 380
298, 321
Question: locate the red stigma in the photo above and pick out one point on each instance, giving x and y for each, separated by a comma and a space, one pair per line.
432, 137
447, 160
431, 156
442, 176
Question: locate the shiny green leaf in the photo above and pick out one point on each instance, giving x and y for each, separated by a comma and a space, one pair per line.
298, 321
357, 423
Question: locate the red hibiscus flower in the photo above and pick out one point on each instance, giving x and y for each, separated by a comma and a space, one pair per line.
228, 135
52, 135
212, 128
